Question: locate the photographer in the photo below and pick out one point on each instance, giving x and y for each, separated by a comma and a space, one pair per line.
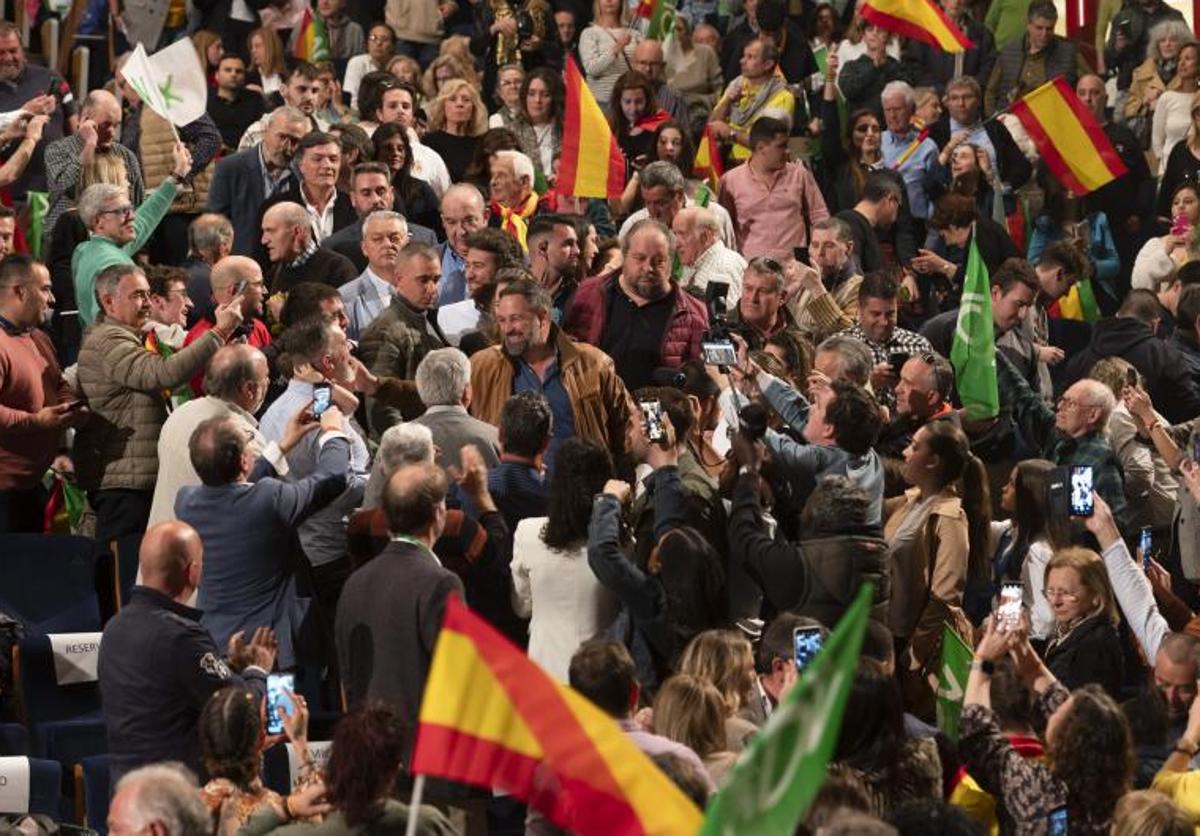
679, 590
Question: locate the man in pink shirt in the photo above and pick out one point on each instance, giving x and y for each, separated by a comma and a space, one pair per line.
36, 404
773, 201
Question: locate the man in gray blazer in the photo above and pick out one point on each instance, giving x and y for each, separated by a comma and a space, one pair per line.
444, 386
242, 182
370, 191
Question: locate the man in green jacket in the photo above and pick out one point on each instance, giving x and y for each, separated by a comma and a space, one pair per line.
117, 230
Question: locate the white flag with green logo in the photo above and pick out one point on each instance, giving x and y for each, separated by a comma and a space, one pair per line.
170, 82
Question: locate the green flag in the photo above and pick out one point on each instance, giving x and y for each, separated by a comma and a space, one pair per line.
952, 681
771, 787
974, 350
659, 16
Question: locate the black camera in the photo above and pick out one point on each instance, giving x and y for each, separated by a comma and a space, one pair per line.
752, 422
716, 345
525, 27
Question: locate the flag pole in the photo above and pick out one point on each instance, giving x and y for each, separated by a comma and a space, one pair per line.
415, 806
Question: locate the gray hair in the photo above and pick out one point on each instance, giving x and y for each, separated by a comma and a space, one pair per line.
108, 278
442, 377
837, 226
405, 443
208, 232
900, 88
967, 81
95, 198
292, 115
385, 215
1099, 397
644, 224
662, 173
522, 165
706, 218
769, 267
166, 793
534, 294
293, 214
856, 357
1176, 29
231, 368
837, 505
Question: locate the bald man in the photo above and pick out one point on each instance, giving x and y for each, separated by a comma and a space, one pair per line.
1126, 200
158, 665
236, 381
648, 60
291, 249
463, 212
234, 277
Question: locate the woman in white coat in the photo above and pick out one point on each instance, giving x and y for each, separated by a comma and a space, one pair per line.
553, 585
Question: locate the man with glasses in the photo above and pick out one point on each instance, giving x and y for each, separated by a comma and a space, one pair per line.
463, 212
118, 230
116, 459
381, 45
963, 123
242, 182
36, 403
648, 60
166, 329
236, 280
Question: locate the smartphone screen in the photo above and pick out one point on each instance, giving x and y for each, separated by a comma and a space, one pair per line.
652, 415
806, 644
1081, 491
1056, 822
277, 683
800, 254
1008, 611
1181, 226
719, 353
322, 397
1145, 541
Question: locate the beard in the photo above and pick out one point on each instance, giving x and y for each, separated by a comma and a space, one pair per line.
516, 346
650, 287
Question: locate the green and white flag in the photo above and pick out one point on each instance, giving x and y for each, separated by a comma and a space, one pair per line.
170, 82
952, 681
772, 786
973, 353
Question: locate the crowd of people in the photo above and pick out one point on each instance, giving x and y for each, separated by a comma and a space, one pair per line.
346, 346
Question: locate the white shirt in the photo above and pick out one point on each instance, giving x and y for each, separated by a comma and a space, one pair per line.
357, 67
717, 264
727, 234
322, 220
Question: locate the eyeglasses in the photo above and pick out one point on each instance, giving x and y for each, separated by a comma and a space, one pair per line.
1065, 594
1070, 403
125, 211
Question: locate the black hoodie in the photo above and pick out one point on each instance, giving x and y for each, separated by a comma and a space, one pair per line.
1167, 373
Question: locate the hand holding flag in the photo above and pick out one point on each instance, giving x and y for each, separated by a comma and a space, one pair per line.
922, 20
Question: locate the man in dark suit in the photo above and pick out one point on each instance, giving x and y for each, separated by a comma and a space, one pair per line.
381, 656
240, 181
370, 191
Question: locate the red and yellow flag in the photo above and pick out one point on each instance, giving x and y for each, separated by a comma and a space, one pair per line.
312, 39
1069, 138
922, 20
491, 717
707, 164
584, 170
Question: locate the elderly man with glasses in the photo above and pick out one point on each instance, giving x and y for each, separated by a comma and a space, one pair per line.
118, 230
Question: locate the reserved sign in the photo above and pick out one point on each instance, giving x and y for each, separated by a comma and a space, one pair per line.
76, 656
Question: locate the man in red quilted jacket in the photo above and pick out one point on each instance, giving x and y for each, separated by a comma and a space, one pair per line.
640, 316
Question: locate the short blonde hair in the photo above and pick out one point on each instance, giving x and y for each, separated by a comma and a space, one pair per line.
1092, 574
723, 658
437, 110
689, 710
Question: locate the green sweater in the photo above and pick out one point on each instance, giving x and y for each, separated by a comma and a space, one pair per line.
99, 252
1006, 19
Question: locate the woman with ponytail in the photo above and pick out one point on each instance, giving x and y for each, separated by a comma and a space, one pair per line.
937, 535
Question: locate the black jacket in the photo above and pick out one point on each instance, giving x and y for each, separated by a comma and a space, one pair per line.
344, 215
934, 67
1090, 653
1168, 374
1015, 169
158, 666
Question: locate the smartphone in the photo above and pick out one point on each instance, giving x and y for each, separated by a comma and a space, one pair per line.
806, 644
1008, 611
240, 287
1145, 541
1196, 448
800, 254
322, 398
652, 416
1131, 376
76, 405
1056, 822
719, 353
1181, 225
277, 684
1081, 491
897, 360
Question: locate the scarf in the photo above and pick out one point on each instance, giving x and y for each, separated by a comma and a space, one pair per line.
514, 221
753, 97
1166, 69
651, 122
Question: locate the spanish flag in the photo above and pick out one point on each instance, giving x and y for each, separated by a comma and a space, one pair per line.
491, 717
922, 20
312, 39
707, 164
584, 170
1071, 142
